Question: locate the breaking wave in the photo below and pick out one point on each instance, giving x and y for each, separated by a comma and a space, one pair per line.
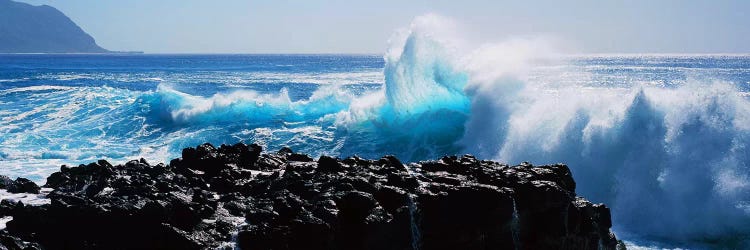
249, 106
672, 162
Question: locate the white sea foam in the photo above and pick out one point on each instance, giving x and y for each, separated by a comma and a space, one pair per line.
4, 221
25, 198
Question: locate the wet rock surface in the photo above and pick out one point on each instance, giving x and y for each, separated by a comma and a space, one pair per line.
238, 196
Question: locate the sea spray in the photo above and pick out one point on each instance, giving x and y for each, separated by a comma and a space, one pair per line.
657, 155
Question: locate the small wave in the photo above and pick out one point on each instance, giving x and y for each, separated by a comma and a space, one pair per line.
35, 88
337, 78
15, 80
72, 77
53, 155
243, 105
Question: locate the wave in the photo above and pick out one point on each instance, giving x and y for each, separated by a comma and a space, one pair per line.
180, 108
14, 80
35, 88
671, 162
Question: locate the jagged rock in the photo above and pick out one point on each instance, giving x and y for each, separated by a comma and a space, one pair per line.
20, 185
298, 203
5, 181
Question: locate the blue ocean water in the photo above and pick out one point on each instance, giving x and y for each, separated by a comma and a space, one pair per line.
662, 139
76, 108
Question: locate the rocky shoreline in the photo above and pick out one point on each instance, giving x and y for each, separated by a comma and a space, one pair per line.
238, 196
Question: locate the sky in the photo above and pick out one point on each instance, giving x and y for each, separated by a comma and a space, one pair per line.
353, 26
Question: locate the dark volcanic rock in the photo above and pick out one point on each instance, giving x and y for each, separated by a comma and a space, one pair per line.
5, 182
20, 185
286, 200
23, 185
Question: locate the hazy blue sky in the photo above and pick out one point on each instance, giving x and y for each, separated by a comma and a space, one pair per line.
347, 26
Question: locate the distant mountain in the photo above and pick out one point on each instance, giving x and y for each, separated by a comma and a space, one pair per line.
25, 28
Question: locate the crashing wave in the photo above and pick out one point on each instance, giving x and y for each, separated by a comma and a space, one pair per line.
672, 162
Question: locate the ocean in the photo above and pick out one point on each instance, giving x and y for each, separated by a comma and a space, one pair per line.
661, 139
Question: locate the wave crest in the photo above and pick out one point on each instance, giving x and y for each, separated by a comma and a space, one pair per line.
249, 106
